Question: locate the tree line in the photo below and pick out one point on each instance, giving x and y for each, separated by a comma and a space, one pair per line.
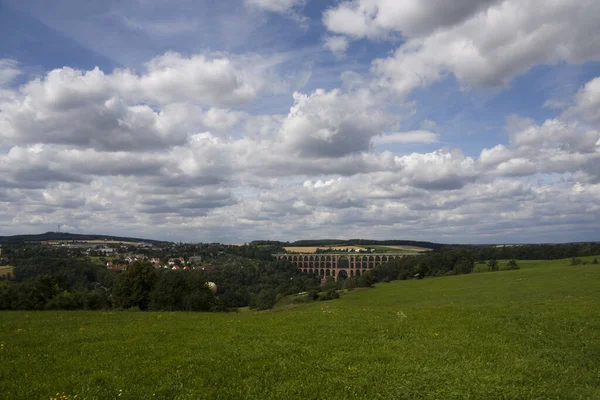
52, 278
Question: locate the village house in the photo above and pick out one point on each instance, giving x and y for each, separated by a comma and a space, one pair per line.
176, 261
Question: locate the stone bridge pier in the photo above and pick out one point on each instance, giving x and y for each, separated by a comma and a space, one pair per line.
337, 266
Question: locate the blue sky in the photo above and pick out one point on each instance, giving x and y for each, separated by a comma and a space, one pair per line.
470, 121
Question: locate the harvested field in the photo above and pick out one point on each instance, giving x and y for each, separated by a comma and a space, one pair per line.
409, 248
313, 249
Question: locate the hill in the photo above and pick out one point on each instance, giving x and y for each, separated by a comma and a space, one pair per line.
352, 242
523, 334
55, 236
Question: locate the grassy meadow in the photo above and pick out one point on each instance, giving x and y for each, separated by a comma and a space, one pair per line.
532, 333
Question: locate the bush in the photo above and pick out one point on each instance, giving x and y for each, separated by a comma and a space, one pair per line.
367, 280
95, 300
576, 261
329, 285
464, 266
493, 265
64, 301
512, 265
313, 294
329, 295
133, 287
595, 261
265, 299
200, 299
403, 275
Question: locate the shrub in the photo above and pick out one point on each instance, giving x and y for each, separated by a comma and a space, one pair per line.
366, 280
403, 275
576, 261
512, 264
313, 294
265, 299
64, 301
493, 265
329, 295
464, 266
329, 285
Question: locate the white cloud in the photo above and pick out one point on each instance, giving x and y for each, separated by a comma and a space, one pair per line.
279, 6
9, 70
337, 45
438, 170
483, 43
566, 144
555, 103
149, 155
495, 155
125, 111
219, 80
288, 8
377, 18
421, 136
333, 123
587, 104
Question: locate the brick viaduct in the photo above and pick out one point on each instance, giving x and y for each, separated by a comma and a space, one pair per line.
333, 265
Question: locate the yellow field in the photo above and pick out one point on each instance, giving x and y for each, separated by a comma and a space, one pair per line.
313, 249
6, 270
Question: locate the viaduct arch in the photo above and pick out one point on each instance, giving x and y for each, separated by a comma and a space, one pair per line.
326, 265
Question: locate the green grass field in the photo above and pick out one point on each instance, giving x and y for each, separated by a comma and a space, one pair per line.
533, 333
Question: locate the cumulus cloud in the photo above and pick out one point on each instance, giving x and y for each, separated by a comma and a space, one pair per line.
377, 18
337, 45
171, 152
219, 80
333, 123
438, 170
568, 143
483, 43
587, 104
124, 111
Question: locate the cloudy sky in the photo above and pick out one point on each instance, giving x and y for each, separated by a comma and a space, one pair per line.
464, 121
